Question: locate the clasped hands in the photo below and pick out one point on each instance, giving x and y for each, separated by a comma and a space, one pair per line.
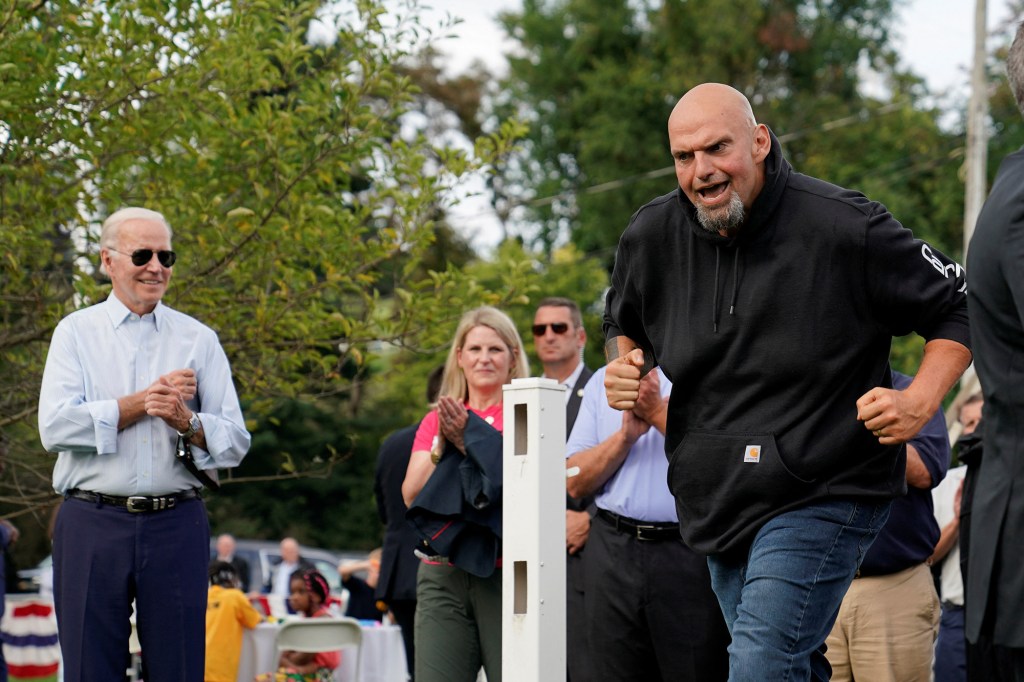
639, 398
167, 397
452, 417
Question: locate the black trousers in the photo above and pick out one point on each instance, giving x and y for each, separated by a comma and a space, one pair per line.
577, 652
103, 558
651, 613
404, 611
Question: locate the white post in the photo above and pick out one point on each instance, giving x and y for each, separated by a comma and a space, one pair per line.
533, 531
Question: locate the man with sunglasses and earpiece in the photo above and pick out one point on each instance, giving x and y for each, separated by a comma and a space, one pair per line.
559, 339
128, 384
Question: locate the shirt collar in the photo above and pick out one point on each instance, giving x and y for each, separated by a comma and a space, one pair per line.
570, 380
118, 312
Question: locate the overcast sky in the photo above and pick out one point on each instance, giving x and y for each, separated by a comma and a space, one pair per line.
935, 36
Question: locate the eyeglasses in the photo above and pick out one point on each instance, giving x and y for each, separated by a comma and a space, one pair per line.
143, 256
556, 327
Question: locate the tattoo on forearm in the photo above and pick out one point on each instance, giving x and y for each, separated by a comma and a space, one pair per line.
611, 349
618, 346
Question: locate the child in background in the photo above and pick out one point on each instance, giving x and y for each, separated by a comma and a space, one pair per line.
362, 602
227, 611
309, 592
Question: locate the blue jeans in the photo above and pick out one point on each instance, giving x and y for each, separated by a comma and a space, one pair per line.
781, 599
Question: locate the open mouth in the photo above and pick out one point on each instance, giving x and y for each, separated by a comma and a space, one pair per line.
712, 193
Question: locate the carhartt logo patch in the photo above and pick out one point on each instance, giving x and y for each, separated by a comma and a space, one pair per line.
752, 454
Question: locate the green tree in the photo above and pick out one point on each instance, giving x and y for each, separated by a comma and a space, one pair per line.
597, 81
304, 215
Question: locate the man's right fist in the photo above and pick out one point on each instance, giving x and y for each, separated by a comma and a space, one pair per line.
622, 380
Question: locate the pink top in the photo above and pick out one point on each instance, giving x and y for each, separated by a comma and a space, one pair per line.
493, 415
326, 659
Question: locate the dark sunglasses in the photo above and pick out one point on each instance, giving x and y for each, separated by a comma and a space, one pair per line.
556, 327
143, 256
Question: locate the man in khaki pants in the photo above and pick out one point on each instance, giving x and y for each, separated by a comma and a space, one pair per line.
888, 621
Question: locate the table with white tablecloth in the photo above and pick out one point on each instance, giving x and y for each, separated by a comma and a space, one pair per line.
381, 656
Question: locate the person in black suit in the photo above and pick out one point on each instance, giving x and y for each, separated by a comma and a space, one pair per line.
995, 583
396, 586
559, 339
226, 552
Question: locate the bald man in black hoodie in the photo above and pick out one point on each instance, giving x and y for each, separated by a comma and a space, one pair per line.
770, 300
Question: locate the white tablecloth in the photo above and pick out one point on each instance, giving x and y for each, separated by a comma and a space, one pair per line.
381, 658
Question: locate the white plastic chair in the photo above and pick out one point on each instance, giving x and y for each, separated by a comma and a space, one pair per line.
314, 635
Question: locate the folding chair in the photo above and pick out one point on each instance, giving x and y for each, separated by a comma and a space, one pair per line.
313, 635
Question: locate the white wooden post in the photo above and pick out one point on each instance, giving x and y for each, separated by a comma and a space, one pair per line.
533, 573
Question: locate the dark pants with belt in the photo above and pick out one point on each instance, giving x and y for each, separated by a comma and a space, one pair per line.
104, 557
651, 613
577, 653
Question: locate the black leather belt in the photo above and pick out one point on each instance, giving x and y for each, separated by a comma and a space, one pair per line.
135, 503
641, 530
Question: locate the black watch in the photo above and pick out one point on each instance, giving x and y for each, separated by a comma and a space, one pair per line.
193, 427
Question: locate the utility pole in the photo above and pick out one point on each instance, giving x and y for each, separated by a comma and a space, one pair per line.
977, 134
975, 186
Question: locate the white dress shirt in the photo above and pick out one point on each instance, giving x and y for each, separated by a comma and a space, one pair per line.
570, 380
105, 352
943, 498
639, 489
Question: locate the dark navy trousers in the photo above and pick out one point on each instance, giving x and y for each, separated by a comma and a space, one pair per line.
104, 557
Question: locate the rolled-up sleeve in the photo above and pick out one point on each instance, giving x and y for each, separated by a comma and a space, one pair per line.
67, 421
227, 439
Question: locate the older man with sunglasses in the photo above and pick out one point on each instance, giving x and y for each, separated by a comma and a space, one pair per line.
130, 387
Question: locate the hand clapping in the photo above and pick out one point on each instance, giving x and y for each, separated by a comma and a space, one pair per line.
452, 417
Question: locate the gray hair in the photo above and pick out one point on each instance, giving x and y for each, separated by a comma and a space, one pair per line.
1015, 67
112, 225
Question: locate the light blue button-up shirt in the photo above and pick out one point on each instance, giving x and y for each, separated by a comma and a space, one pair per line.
105, 352
639, 489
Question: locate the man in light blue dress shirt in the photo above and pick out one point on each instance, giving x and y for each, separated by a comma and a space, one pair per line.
125, 381
650, 610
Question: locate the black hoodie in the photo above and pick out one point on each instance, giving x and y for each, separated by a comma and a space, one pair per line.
769, 338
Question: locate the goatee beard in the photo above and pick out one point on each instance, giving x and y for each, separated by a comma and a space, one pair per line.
727, 221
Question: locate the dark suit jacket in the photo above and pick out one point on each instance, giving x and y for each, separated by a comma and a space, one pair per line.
398, 565
995, 266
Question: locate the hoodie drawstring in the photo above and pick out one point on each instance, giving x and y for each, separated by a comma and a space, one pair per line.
714, 300
735, 285
735, 279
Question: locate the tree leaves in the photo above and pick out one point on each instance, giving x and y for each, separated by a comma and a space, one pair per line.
298, 203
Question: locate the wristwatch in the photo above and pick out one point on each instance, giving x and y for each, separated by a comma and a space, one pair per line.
193, 427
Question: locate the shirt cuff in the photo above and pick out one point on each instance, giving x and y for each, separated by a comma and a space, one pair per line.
105, 416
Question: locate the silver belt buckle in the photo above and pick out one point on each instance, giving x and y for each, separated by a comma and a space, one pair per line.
137, 503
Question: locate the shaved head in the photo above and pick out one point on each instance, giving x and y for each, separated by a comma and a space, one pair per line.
715, 99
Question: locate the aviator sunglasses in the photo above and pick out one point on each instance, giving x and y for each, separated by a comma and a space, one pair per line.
142, 256
556, 327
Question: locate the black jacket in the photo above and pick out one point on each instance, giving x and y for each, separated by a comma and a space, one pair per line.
398, 564
769, 339
995, 583
458, 512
